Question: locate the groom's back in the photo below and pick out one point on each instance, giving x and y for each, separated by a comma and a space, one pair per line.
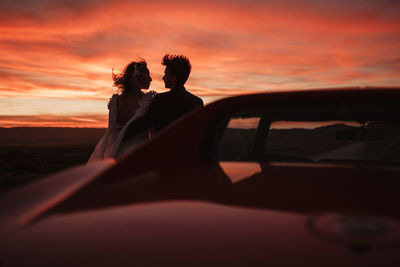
169, 106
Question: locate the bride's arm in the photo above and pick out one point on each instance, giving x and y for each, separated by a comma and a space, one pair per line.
139, 125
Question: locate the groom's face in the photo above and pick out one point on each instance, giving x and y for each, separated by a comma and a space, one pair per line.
169, 79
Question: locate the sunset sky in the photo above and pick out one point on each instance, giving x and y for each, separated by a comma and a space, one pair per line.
57, 56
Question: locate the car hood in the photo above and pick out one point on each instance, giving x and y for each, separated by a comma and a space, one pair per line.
198, 233
25, 204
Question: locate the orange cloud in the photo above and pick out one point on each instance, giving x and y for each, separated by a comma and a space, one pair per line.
91, 121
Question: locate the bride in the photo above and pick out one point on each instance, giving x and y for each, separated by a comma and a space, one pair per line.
124, 108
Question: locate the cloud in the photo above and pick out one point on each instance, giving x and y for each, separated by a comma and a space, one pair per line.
89, 121
67, 49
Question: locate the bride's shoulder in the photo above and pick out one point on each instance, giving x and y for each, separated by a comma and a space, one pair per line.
113, 101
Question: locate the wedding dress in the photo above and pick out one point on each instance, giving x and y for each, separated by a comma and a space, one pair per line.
110, 144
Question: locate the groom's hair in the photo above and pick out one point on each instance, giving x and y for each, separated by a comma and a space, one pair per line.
179, 66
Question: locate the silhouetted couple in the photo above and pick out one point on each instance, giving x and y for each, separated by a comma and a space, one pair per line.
134, 115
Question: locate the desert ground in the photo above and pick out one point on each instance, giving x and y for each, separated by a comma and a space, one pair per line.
28, 154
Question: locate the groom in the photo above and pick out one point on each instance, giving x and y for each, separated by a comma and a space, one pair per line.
169, 106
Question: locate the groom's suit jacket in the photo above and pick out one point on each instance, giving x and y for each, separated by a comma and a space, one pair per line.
165, 108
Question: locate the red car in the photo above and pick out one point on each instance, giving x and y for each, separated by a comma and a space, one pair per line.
302, 178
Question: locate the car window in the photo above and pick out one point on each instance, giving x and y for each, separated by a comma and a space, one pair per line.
351, 133
237, 144
310, 141
350, 142
238, 139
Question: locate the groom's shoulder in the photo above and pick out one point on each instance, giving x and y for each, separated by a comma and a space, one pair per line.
195, 99
186, 96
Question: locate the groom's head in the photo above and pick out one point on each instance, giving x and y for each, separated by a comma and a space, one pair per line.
177, 70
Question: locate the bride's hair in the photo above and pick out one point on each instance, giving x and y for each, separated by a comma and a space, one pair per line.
123, 79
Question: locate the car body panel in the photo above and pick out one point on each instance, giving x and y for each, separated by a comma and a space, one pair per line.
185, 233
25, 204
171, 202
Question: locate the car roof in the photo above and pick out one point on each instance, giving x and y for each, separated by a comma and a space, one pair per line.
305, 94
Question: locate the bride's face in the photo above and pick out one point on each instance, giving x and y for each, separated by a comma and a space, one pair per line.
141, 77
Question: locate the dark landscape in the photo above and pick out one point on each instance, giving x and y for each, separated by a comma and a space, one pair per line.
28, 154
